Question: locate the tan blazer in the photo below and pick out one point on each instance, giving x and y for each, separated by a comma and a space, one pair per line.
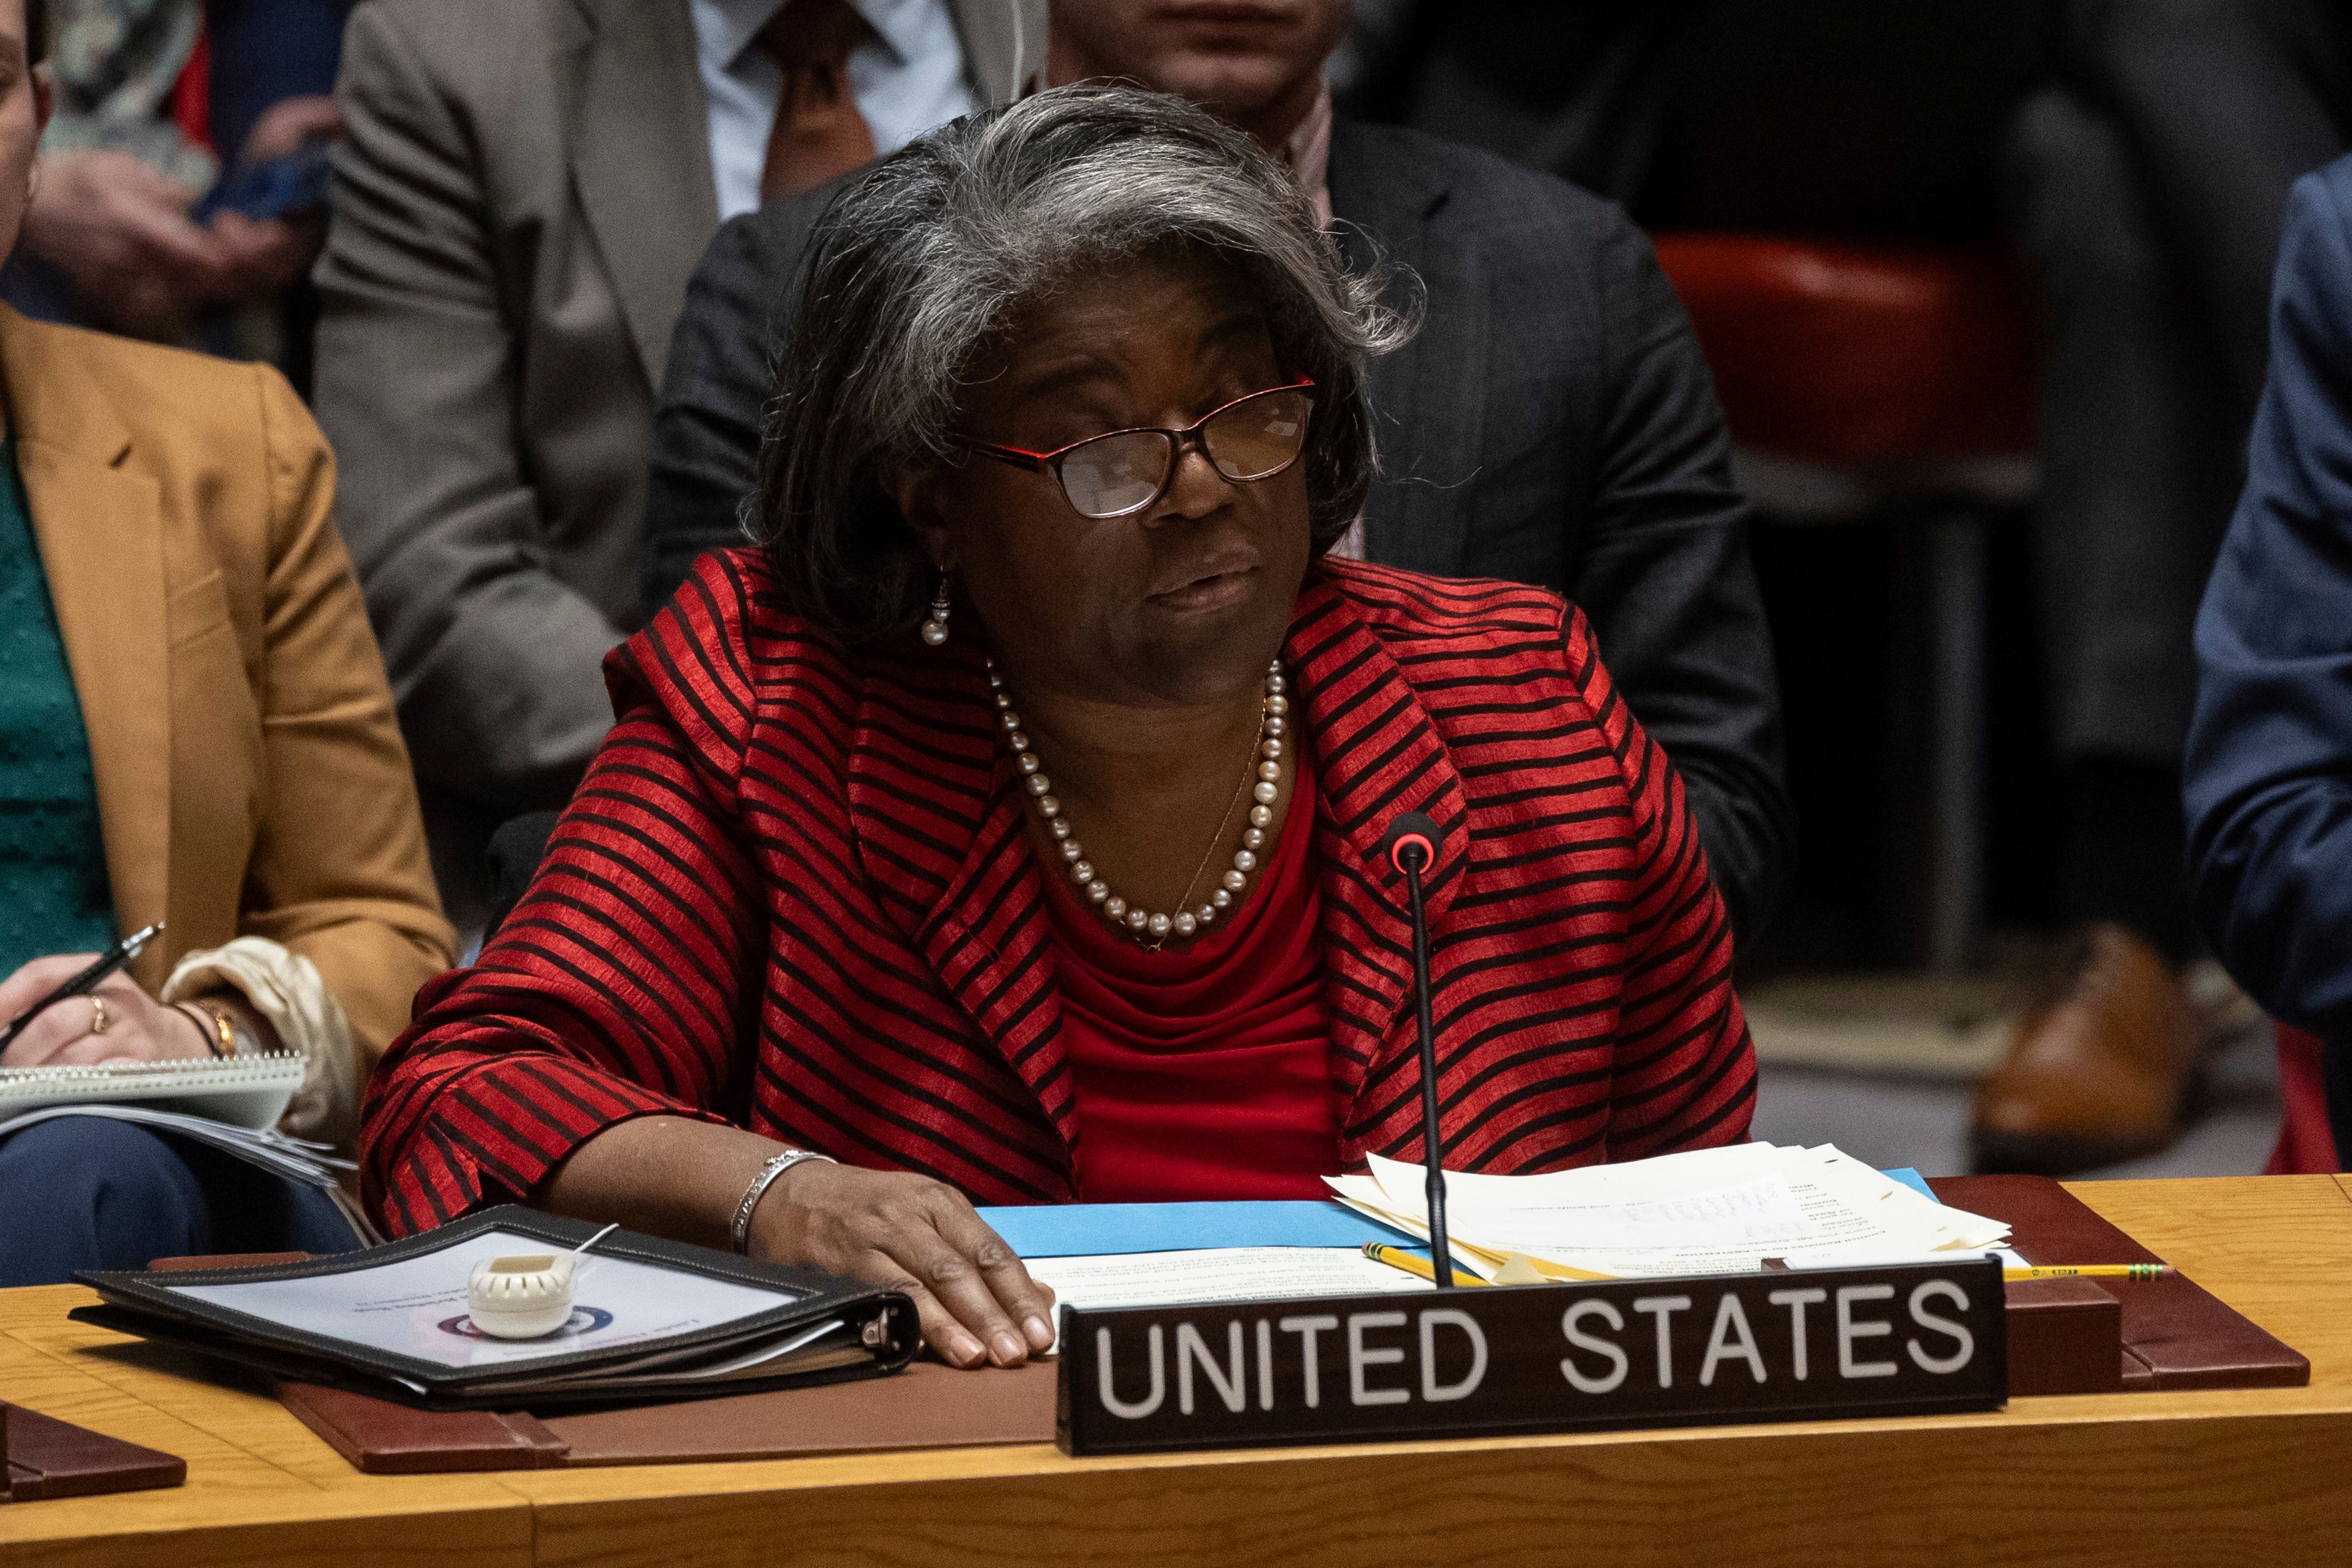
525, 190
251, 780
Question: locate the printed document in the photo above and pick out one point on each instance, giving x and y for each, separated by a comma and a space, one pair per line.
1712, 1211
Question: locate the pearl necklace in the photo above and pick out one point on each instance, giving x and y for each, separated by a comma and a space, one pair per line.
1152, 927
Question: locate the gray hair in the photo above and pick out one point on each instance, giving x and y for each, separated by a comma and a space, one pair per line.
914, 267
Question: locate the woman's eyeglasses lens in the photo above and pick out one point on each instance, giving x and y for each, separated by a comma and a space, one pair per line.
1118, 474
1258, 436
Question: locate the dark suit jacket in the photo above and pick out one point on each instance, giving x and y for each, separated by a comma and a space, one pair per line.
1553, 423
2268, 772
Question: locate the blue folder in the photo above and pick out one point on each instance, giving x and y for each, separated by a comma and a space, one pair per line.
1080, 1230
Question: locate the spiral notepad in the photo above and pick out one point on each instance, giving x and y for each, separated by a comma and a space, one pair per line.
242, 1091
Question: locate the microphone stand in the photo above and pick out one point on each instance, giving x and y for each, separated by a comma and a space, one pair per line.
1412, 853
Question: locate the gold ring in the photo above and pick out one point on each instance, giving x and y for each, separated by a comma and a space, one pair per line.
98, 1022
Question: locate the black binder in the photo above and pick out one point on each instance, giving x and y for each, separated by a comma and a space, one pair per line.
877, 1329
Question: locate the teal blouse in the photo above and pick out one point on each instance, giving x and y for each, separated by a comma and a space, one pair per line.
54, 896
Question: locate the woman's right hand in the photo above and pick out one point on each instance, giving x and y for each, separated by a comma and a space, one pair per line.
64, 1034
909, 1233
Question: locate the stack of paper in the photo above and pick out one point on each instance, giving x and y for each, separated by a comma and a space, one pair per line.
1165, 1255
1711, 1211
296, 1158
232, 1106
1218, 1274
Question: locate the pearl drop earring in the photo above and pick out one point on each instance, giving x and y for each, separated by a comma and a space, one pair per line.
935, 630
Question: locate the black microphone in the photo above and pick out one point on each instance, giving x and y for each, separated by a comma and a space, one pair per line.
1411, 843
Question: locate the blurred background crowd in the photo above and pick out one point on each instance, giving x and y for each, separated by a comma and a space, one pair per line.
1982, 287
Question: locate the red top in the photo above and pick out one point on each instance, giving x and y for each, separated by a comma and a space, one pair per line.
797, 892
1203, 1073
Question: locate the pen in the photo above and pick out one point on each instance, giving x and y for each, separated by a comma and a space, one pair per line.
81, 984
2090, 1271
1397, 1258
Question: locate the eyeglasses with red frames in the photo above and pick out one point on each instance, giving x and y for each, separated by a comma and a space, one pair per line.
1121, 472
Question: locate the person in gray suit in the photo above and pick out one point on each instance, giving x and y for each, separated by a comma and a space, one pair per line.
1553, 422
527, 185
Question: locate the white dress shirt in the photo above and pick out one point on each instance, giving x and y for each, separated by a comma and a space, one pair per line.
908, 78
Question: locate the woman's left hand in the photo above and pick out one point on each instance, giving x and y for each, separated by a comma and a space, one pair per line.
137, 1027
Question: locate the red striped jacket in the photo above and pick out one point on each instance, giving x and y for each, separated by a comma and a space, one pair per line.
795, 892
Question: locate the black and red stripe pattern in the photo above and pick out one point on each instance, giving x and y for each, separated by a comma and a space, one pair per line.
795, 892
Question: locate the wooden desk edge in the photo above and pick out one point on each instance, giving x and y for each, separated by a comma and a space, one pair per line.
511, 1506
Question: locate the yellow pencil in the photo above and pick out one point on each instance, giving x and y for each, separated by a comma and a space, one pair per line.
2090, 1271
1396, 1258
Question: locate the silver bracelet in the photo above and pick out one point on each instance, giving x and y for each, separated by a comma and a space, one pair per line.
740, 1231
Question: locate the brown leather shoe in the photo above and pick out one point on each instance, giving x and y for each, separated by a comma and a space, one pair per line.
2098, 1066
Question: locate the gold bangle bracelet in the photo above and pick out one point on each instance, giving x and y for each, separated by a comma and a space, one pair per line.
220, 1033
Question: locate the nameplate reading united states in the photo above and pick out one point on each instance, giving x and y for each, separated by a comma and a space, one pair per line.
1914, 1339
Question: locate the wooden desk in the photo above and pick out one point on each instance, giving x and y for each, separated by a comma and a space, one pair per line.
2258, 1477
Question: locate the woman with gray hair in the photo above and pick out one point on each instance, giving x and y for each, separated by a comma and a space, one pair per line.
1006, 827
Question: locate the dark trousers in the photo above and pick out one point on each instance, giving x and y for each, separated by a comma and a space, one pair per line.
2145, 186
84, 1192
2141, 441
2224, 104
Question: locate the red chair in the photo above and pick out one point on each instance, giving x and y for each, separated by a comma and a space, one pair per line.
2306, 1143
1869, 380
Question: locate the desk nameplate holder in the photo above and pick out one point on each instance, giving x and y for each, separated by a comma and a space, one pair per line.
1806, 1345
